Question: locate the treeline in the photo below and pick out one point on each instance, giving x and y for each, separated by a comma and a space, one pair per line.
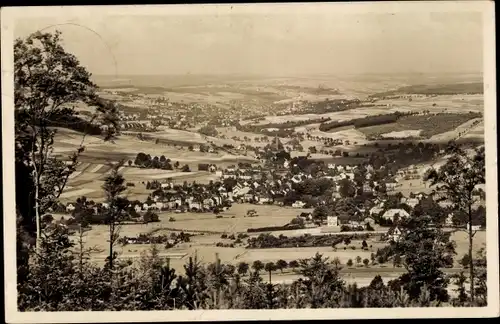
76, 123
143, 160
286, 227
265, 241
327, 106
365, 121
170, 241
289, 124
440, 89
152, 284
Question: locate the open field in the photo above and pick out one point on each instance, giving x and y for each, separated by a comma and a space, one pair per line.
439, 104
427, 126
90, 183
126, 147
268, 215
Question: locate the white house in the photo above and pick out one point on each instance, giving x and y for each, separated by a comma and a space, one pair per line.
375, 210
449, 220
474, 227
395, 234
332, 221
391, 186
298, 204
392, 213
412, 202
70, 208
369, 220
137, 208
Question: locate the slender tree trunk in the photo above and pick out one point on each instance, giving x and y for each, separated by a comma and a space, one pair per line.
37, 213
269, 276
471, 261
81, 250
111, 235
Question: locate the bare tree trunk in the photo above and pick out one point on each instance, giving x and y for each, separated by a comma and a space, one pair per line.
80, 241
37, 215
471, 261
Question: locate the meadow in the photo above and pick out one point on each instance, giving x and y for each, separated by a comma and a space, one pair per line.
428, 126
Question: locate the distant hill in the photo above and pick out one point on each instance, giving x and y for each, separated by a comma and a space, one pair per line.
435, 89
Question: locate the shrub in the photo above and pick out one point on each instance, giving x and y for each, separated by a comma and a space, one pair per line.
465, 261
350, 263
231, 237
274, 228
218, 216
171, 219
345, 228
353, 247
223, 236
366, 262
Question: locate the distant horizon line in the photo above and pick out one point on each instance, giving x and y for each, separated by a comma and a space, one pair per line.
289, 75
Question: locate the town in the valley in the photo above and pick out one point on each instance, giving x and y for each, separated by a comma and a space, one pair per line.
263, 189
243, 184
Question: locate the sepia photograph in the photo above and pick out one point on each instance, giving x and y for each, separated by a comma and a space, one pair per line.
249, 162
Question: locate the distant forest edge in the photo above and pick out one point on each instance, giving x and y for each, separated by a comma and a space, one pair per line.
377, 125
201, 89
436, 89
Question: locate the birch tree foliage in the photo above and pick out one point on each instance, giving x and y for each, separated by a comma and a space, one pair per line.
47, 82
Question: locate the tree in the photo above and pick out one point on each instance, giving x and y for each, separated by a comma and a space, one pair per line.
321, 282
150, 217
186, 168
116, 212
337, 263
465, 261
293, 264
269, 267
320, 213
364, 245
347, 188
47, 79
358, 260
281, 264
257, 265
208, 130
349, 263
366, 262
425, 249
396, 261
457, 180
243, 268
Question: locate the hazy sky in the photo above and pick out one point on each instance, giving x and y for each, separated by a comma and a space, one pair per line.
273, 44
